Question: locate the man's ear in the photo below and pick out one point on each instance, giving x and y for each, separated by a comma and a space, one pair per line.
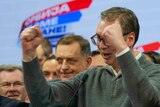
89, 61
130, 39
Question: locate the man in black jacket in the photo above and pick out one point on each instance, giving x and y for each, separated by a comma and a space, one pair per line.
6, 102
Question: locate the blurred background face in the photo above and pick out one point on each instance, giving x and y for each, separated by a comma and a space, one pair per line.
148, 58
70, 60
12, 85
107, 51
97, 60
49, 69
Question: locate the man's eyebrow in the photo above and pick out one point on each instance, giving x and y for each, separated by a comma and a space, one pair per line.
46, 71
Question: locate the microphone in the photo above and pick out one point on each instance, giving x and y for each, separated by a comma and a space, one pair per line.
74, 101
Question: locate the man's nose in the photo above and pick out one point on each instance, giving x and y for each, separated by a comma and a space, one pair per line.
65, 66
12, 87
51, 77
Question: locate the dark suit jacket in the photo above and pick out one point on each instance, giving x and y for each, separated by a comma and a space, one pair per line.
6, 102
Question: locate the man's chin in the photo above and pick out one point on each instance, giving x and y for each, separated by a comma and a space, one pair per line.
16, 98
66, 76
108, 62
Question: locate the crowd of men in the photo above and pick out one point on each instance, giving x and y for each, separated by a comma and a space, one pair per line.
115, 75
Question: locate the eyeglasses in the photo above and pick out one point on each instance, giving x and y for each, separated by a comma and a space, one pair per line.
8, 84
96, 39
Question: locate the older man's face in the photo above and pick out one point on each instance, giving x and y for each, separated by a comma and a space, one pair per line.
12, 85
70, 60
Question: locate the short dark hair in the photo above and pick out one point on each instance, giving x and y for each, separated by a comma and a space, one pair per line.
51, 57
84, 44
155, 56
127, 19
47, 47
95, 52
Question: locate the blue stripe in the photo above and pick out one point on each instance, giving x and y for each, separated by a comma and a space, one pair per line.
69, 17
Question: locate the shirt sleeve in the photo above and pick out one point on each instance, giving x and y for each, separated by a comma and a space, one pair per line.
141, 80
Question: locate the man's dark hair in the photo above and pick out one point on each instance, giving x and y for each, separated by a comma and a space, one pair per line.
71, 38
47, 47
155, 56
95, 52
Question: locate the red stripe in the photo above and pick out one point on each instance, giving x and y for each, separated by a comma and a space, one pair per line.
79, 4
150, 47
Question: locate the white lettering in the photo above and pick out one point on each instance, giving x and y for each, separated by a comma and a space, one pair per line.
47, 22
64, 8
47, 13
54, 11
54, 30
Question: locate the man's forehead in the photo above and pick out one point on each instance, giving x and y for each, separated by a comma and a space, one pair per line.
102, 25
17, 75
68, 57
10, 73
68, 49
